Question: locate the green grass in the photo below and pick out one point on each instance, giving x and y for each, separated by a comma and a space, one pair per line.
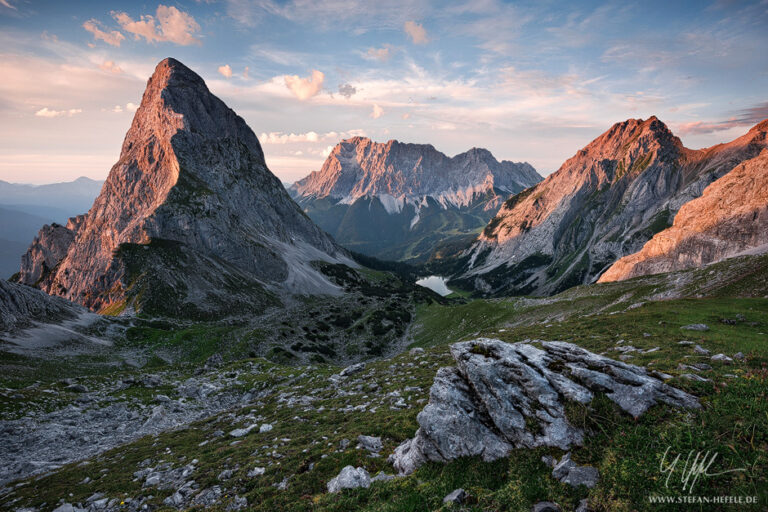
627, 452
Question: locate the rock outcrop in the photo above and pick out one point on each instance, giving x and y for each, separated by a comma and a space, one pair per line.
21, 305
48, 248
401, 201
602, 204
731, 217
502, 396
190, 221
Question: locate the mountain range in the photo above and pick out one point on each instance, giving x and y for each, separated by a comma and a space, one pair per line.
604, 203
398, 201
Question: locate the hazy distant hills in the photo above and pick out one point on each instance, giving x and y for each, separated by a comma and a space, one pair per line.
400, 201
24, 209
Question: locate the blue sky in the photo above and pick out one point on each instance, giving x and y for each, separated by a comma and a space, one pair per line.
532, 81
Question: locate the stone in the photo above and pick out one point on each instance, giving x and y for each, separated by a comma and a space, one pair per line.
382, 477
696, 327
77, 388
257, 471
349, 478
353, 369
574, 475
583, 506
369, 443
546, 506
722, 358
226, 474
502, 396
739, 356
701, 350
456, 496
265, 427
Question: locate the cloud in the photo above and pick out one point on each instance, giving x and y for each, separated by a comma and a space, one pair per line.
287, 138
175, 26
47, 112
327, 151
117, 109
380, 54
6, 3
745, 117
305, 88
110, 67
226, 70
131, 107
347, 90
245, 72
113, 37
377, 112
416, 32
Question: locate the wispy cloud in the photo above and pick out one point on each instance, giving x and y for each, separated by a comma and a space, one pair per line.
376, 111
110, 67
112, 37
380, 54
47, 112
745, 117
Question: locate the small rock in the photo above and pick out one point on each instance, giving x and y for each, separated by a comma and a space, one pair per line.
350, 370
382, 477
583, 506
350, 478
696, 327
238, 503
546, 506
226, 474
701, 350
722, 358
694, 377
572, 474
256, 472
370, 443
738, 356
77, 388
685, 342
416, 351
266, 427
343, 444
457, 496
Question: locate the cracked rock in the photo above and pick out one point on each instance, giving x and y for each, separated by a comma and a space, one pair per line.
502, 396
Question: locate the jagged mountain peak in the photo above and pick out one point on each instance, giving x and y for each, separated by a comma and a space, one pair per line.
189, 209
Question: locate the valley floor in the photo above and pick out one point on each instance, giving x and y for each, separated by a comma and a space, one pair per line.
257, 434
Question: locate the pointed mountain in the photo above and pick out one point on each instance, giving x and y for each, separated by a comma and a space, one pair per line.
189, 221
603, 203
729, 219
401, 201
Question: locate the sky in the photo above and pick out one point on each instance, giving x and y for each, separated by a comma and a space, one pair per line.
530, 81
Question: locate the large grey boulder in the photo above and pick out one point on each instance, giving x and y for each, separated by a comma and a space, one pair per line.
502, 396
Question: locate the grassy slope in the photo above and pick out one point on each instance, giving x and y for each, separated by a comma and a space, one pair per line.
627, 452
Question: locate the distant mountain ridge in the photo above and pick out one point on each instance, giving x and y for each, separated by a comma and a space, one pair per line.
396, 200
190, 222
603, 203
59, 200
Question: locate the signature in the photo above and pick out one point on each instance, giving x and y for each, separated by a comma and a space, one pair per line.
694, 466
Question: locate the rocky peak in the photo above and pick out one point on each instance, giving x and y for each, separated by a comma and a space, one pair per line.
359, 167
191, 174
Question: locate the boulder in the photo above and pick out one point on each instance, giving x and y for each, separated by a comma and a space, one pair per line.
456, 496
502, 396
350, 478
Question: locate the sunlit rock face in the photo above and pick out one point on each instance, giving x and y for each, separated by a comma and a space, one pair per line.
730, 218
392, 199
605, 202
191, 209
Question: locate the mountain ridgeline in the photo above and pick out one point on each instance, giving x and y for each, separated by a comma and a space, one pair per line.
604, 203
398, 201
190, 222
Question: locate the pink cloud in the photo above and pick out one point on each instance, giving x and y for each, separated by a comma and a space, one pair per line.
168, 25
113, 37
305, 88
416, 32
226, 71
